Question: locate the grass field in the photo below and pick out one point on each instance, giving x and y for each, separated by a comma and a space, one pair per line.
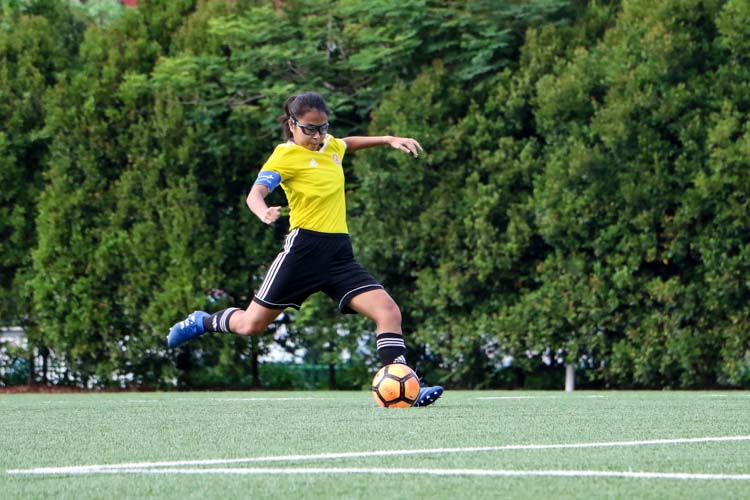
340, 445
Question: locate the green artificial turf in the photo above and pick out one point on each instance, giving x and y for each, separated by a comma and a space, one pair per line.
69, 430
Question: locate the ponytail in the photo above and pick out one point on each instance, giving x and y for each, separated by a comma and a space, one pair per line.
284, 118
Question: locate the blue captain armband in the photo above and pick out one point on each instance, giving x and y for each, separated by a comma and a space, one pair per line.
269, 179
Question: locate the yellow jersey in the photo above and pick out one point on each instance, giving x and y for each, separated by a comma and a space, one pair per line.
313, 182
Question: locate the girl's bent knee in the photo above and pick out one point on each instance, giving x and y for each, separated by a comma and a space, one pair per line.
394, 313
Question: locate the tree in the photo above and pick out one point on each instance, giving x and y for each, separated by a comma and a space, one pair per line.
456, 238
35, 42
625, 127
80, 263
582, 197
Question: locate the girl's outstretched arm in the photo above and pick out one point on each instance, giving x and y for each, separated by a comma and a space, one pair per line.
405, 144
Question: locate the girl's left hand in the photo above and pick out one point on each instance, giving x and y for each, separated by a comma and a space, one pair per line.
407, 145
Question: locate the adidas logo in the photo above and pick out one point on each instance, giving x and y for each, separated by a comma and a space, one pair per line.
313, 163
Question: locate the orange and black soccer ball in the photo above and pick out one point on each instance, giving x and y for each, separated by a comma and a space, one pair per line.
395, 386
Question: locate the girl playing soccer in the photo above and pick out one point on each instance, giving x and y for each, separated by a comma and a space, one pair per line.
317, 253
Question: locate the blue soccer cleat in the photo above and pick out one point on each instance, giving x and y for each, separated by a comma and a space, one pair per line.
187, 329
428, 395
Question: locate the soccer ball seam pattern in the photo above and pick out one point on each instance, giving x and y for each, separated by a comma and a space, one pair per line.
395, 386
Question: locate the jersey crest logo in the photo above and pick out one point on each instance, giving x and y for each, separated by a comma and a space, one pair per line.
336, 159
313, 163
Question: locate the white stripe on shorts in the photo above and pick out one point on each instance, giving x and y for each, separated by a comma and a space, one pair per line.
276, 265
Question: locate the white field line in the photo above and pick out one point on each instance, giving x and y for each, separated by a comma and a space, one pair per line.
84, 469
422, 472
264, 399
270, 399
490, 398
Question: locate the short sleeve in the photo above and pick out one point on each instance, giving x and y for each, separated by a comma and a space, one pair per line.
339, 147
277, 165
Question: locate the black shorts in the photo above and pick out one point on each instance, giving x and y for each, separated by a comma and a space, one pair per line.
314, 262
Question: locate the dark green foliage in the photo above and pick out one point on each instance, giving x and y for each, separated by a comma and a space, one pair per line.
36, 43
629, 144
563, 220
582, 198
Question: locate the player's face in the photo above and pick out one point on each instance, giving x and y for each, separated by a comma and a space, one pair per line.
309, 130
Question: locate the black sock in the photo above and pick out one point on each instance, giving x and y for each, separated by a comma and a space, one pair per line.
219, 321
391, 348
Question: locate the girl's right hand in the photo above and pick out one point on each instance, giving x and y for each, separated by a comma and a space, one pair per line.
271, 215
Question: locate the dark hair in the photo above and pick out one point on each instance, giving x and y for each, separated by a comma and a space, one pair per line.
298, 105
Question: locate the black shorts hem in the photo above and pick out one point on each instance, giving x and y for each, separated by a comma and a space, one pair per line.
269, 305
348, 296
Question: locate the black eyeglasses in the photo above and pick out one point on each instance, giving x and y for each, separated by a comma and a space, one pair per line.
311, 129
